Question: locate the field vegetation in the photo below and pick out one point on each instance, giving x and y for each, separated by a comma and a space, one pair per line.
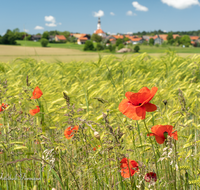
62, 126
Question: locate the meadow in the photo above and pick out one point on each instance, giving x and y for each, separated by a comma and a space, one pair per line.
84, 135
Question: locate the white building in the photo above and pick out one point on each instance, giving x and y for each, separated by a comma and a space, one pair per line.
99, 31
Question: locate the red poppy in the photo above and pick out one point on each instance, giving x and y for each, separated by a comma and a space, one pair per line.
69, 132
161, 131
137, 104
128, 167
34, 111
37, 93
3, 107
150, 177
95, 147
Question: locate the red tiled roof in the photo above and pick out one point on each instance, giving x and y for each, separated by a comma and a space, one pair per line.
194, 37
99, 31
112, 39
83, 38
61, 37
118, 36
136, 39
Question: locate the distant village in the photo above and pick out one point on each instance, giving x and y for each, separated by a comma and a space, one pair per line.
131, 39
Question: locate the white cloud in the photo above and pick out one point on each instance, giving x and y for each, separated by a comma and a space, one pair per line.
59, 23
181, 4
100, 13
165, 31
129, 32
49, 19
3, 34
129, 13
140, 7
51, 24
25, 30
39, 28
111, 13
52, 21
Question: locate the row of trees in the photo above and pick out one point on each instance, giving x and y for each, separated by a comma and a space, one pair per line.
181, 33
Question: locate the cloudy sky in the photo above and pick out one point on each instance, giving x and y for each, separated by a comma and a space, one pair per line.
116, 15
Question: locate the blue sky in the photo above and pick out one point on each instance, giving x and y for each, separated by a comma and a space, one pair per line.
79, 16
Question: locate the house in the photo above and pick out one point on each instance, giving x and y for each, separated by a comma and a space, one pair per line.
60, 38
36, 38
51, 38
136, 40
158, 40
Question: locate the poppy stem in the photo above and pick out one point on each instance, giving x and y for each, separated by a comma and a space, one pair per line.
152, 148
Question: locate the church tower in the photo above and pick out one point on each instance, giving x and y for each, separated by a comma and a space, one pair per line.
99, 24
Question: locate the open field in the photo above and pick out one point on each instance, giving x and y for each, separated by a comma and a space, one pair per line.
10, 53
86, 126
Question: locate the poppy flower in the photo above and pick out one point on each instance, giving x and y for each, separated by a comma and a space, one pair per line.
128, 167
95, 147
37, 93
150, 177
3, 107
69, 132
34, 111
137, 104
161, 131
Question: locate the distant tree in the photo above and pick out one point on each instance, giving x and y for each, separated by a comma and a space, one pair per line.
126, 39
151, 41
71, 39
120, 46
88, 46
16, 30
119, 41
170, 38
44, 42
185, 40
38, 34
99, 47
45, 35
9, 38
137, 48
96, 38
65, 33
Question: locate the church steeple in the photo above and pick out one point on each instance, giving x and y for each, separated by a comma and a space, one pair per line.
99, 24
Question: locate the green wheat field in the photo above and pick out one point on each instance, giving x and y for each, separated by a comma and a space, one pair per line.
36, 155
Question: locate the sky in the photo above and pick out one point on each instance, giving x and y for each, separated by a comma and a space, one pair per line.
117, 16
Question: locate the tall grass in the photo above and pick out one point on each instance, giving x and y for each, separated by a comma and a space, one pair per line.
35, 146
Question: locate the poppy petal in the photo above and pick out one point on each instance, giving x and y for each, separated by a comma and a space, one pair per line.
37, 93
150, 107
141, 112
34, 111
159, 140
175, 135
128, 109
144, 90
128, 94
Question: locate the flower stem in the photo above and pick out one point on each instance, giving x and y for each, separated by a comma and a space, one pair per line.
152, 148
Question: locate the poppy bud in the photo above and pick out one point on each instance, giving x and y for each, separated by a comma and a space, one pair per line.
96, 134
165, 134
165, 102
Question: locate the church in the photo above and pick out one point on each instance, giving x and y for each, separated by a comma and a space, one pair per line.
99, 31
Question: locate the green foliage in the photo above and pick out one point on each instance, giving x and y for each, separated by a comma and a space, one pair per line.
120, 46
88, 46
96, 38
119, 41
9, 38
137, 48
44, 42
185, 40
45, 35
170, 38
151, 41
99, 47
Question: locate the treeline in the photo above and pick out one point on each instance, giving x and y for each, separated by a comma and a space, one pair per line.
10, 37
181, 33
